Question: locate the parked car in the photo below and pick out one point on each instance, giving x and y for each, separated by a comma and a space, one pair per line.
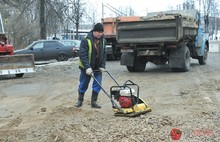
49, 49
75, 43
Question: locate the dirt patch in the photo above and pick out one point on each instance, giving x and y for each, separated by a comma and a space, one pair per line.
40, 106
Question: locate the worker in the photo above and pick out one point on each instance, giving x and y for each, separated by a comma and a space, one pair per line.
92, 61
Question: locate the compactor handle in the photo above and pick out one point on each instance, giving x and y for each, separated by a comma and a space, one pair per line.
118, 107
109, 75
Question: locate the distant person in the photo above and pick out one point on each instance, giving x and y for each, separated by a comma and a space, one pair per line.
92, 57
55, 38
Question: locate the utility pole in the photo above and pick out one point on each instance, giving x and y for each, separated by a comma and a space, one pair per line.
102, 10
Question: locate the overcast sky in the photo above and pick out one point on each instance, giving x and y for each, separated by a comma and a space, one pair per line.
141, 7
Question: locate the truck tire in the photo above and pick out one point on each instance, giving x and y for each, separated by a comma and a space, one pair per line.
138, 66
130, 69
111, 57
19, 75
179, 60
115, 53
202, 59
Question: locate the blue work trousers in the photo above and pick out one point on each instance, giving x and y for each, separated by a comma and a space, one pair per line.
85, 79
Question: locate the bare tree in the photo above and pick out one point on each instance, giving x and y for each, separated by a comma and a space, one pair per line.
213, 17
210, 8
189, 4
131, 12
127, 11
75, 12
42, 20
20, 25
54, 16
36, 23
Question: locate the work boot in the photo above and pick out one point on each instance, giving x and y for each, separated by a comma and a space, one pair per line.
94, 99
80, 100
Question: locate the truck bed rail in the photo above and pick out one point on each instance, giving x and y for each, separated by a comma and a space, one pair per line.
171, 29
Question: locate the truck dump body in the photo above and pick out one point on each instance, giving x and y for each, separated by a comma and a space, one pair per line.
112, 49
109, 24
164, 27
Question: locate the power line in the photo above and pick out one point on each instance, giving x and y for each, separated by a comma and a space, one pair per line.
116, 10
119, 13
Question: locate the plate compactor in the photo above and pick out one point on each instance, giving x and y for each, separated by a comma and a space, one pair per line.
125, 99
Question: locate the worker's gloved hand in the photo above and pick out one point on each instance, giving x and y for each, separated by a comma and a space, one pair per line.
102, 70
89, 71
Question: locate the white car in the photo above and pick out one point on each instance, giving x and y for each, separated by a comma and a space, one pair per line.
74, 43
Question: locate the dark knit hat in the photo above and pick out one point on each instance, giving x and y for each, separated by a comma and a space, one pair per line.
98, 27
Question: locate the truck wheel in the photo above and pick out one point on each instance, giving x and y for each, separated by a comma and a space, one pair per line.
62, 57
180, 59
111, 57
19, 75
130, 69
138, 66
202, 59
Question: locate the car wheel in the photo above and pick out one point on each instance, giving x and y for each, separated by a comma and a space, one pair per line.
62, 57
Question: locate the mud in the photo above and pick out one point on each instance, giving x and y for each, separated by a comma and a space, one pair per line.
40, 106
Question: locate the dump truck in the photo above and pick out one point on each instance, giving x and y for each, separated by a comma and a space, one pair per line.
113, 50
172, 37
11, 64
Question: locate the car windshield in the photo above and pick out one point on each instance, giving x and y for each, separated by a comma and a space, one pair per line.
38, 45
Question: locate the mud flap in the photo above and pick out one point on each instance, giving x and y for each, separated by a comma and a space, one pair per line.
17, 64
127, 59
179, 59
